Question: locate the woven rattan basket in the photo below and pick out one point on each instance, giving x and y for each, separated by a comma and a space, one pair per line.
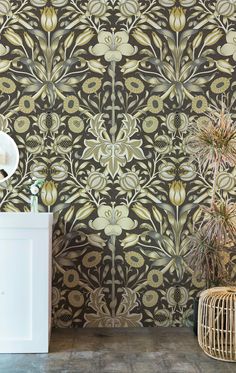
217, 323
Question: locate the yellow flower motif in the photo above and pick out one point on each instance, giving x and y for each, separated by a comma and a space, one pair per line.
92, 85
150, 124
134, 259
197, 40
155, 278
220, 85
157, 214
49, 19
155, 104
69, 214
96, 66
92, 259
177, 19
76, 124
28, 40
76, 298
141, 211
21, 124
130, 66
7, 85
150, 298
134, 85
69, 40
141, 37
177, 193
213, 37
71, 104
26, 104
225, 67
49, 193
130, 240
13, 37
96, 240
85, 211
10, 208
157, 40
84, 38
199, 104
71, 278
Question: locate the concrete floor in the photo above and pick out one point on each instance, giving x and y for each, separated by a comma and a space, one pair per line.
141, 350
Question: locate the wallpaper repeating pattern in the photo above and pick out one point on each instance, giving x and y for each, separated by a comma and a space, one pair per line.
99, 96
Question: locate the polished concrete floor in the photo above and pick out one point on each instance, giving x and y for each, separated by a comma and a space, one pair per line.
141, 350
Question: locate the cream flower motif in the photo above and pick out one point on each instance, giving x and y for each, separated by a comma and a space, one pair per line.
113, 45
4, 50
5, 8
113, 155
113, 220
129, 8
171, 3
226, 8
97, 8
229, 49
4, 123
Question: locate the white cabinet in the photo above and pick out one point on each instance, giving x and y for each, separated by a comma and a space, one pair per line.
25, 282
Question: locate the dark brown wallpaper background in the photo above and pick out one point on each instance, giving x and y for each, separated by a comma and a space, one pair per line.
99, 96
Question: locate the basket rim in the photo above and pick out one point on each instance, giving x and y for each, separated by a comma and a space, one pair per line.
219, 290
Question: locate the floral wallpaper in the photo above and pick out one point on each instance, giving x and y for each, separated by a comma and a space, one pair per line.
99, 96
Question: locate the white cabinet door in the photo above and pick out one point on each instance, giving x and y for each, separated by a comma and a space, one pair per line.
25, 282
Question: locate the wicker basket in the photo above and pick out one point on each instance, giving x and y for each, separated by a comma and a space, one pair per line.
217, 323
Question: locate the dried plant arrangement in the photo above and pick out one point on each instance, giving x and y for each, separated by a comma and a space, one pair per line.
214, 233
